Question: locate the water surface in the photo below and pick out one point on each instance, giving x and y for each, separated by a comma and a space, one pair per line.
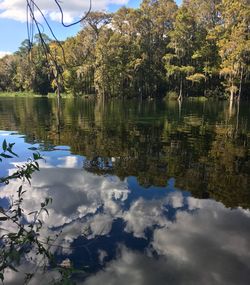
143, 192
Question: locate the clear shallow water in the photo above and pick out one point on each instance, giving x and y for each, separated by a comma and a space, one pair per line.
142, 193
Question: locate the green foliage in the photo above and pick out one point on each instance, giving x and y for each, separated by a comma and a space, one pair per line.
199, 46
197, 77
234, 43
7, 151
23, 171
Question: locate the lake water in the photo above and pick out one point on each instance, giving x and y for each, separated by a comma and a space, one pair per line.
143, 192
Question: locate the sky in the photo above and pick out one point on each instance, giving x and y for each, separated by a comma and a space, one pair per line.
13, 18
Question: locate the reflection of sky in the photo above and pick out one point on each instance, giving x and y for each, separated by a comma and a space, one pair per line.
135, 235
57, 156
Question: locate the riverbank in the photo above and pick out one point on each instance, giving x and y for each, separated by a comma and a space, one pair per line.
30, 94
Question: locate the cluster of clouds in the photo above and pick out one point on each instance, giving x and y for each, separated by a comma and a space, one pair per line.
206, 243
16, 9
72, 10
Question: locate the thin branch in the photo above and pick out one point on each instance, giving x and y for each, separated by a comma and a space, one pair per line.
74, 23
32, 21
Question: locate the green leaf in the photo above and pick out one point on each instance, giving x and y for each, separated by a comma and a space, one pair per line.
10, 151
4, 145
36, 156
5, 155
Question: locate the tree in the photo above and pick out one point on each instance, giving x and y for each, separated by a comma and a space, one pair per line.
155, 24
178, 62
206, 55
197, 48
234, 44
32, 72
7, 73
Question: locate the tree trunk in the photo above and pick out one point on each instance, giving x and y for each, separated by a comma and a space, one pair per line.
58, 120
180, 105
180, 94
231, 94
240, 89
237, 117
58, 92
231, 101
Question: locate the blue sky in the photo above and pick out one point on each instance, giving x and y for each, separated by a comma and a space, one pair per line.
12, 18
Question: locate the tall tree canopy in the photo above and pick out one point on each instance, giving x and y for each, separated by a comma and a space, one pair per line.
199, 48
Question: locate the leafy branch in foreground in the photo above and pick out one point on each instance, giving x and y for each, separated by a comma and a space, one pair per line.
19, 230
23, 171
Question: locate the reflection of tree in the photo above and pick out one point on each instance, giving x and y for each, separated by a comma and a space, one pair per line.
229, 170
205, 150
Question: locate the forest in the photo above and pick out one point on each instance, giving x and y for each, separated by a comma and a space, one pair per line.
201, 48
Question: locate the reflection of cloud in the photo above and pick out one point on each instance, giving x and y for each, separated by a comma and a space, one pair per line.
75, 193
175, 199
4, 134
211, 224
69, 161
131, 268
206, 244
213, 242
194, 203
15, 278
100, 224
144, 214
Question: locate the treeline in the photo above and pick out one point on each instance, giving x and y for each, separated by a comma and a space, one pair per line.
200, 48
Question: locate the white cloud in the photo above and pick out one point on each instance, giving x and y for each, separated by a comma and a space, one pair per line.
4, 53
16, 9
144, 214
